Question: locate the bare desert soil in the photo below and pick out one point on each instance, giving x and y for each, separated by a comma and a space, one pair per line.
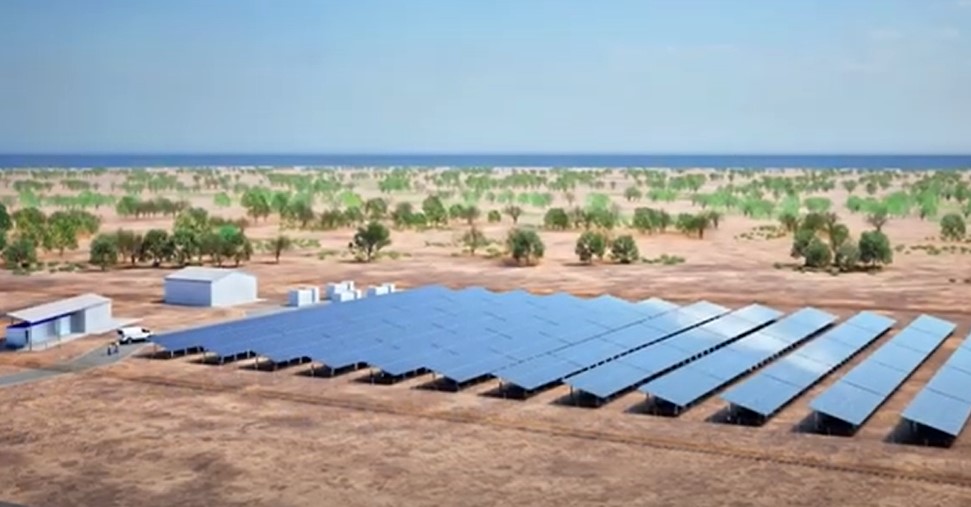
174, 432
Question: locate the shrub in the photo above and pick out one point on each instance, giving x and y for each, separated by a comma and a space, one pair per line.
591, 244
952, 227
817, 254
557, 219
525, 246
875, 248
623, 249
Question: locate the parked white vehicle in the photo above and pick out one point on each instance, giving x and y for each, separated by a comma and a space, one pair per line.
128, 335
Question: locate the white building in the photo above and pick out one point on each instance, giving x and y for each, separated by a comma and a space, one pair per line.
199, 286
58, 320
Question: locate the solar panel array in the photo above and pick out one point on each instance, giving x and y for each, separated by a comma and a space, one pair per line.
558, 364
855, 396
461, 334
945, 402
767, 391
604, 346
613, 377
697, 379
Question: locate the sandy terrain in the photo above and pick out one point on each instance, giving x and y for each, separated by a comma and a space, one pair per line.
223, 435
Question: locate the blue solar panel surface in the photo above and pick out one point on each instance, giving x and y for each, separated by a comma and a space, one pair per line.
779, 383
945, 402
855, 396
462, 334
589, 353
680, 346
697, 379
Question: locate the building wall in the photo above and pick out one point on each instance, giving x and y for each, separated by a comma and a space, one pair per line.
188, 292
16, 337
96, 319
237, 288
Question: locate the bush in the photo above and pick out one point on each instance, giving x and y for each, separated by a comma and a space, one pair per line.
591, 244
847, 257
494, 216
624, 249
875, 248
369, 240
952, 227
525, 246
817, 254
556, 219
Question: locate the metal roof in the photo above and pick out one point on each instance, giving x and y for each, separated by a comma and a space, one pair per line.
202, 274
57, 308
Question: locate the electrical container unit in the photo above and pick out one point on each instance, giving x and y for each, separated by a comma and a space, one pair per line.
303, 296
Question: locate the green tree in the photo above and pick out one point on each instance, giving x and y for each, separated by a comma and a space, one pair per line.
5, 222
875, 248
434, 210
849, 185
157, 246
129, 244
31, 223
494, 216
20, 253
847, 257
591, 244
62, 232
474, 239
818, 254
514, 213
952, 227
633, 193
556, 219
789, 221
369, 240
186, 244
104, 251
257, 203
525, 246
801, 241
280, 244
470, 214
376, 208
878, 216
402, 214
623, 249
300, 211
127, 206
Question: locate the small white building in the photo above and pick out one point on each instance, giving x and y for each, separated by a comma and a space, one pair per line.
200, 286
59, 320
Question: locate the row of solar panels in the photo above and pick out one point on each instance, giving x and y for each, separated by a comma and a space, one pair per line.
602, 347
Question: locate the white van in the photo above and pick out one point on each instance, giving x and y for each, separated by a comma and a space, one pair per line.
128, 335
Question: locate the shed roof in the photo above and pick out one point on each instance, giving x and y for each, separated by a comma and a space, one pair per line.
57, 308
202, 274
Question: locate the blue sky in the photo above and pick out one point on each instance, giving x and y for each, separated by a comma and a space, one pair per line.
548, 76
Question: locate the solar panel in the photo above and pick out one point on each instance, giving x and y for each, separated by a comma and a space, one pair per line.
855, 396
688, 384
615, 376
945, 402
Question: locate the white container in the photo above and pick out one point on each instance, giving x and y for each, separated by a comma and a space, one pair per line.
314, 294
336, 288
389, 287
377, 290
301, 297
343, 297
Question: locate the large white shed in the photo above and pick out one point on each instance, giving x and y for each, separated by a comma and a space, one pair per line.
59, 320
200, 286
